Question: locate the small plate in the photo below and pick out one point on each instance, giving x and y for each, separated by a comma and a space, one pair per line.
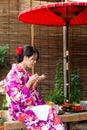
61, 112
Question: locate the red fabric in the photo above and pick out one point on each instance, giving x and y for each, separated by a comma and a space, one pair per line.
56, 14
23, 116
57, 120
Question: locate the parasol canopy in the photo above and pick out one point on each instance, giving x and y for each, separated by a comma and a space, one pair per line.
79, 0
58, 14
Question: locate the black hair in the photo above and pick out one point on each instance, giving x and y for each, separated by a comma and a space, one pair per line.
27, 51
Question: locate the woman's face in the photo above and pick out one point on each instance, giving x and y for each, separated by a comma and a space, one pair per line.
30, 61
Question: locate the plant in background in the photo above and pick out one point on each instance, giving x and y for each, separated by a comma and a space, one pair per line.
56, 95
75, 92
4, 66
4, 60
3, 106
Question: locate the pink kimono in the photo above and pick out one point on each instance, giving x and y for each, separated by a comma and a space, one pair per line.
27, 105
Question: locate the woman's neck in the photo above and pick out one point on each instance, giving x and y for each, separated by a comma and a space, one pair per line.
22, 65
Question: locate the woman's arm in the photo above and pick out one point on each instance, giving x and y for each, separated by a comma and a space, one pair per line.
17, 92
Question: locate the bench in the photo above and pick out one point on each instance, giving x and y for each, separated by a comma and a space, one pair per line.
9, 124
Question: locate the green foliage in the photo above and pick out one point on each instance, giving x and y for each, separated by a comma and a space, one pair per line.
4, 66
4, 60
56, 95
3, 107
75, 92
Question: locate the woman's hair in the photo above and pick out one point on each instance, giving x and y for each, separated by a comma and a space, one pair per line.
26, 51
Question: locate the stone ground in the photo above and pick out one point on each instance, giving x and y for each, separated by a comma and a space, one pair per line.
79, 125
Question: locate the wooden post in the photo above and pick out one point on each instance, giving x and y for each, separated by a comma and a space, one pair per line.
64, 60
66, 66
32, 32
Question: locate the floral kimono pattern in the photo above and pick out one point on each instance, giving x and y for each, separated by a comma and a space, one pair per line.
27, 105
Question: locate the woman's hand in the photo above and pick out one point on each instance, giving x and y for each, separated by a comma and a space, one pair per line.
34, 78
42, 77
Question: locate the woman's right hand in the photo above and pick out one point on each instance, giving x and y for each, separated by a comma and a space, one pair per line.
32, 80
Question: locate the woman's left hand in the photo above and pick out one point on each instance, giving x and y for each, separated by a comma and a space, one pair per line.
36, 83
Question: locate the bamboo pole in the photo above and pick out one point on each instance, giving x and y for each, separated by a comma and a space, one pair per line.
32, 33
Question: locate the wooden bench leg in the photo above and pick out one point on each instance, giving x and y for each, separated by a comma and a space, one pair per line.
69, 125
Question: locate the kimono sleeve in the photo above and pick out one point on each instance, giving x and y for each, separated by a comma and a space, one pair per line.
17, 92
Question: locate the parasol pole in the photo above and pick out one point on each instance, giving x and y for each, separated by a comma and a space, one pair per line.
67, 67
32, 33
64, 60
66, 63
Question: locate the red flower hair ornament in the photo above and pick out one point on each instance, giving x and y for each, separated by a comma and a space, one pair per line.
19, 50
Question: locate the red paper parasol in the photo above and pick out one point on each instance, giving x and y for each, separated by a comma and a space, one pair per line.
58, 14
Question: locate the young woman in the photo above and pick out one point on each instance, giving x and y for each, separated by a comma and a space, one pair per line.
26, 104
